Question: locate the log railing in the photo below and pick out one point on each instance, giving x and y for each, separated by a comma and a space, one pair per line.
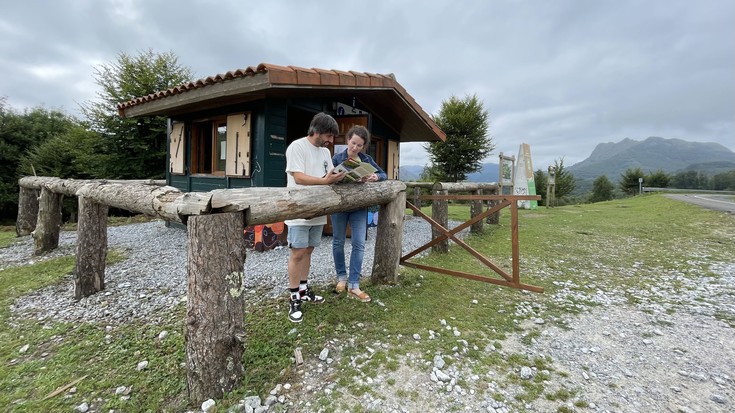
216, 249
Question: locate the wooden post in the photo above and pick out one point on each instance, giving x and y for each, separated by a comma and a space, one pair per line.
440, 214
214, 330
493, 219
48, 225
89, 273
475, 210
27, 211
416, 199
388, 239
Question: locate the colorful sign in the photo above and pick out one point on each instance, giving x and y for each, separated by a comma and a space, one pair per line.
524, 182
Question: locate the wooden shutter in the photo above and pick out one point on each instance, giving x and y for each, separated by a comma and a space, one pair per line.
238, 144
177, 148
394, 156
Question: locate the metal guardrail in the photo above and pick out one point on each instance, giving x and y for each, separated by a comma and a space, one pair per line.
684, 190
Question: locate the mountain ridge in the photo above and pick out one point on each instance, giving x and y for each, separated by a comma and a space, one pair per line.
612, 159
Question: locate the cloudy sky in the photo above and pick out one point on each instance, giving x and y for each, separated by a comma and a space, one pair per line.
560, 75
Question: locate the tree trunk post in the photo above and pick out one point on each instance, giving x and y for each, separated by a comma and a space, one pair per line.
493, 219
440, 214
416, 199
89, 273
475, 210
48, 225
214, 330
388, 239
27, 211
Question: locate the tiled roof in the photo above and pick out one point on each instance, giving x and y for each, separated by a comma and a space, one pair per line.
295, 76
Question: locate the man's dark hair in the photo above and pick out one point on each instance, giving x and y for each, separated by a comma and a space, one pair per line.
360, 131
323, 124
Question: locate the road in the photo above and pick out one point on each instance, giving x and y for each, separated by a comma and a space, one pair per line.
724, 203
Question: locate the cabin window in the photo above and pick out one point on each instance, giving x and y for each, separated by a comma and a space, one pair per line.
209, 147
221, 146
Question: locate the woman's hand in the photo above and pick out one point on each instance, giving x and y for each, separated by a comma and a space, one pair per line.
370, 178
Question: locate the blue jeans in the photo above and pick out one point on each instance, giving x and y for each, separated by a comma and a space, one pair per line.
358, 224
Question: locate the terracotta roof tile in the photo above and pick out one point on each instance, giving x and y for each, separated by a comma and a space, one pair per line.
328, 77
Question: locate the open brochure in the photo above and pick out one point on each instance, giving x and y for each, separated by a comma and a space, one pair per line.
354, 169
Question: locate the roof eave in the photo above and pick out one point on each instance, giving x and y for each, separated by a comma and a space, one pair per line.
213, 92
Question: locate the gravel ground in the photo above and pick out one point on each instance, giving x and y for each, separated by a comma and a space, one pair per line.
154, 275
668, 351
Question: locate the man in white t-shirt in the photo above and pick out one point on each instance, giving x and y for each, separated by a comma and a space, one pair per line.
308, 162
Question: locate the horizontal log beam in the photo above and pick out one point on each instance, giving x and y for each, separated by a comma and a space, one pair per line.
162, 202
268, 205
427, 185
69, 187
464, 186
261, 205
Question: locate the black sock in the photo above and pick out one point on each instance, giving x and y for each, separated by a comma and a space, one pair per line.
295, 293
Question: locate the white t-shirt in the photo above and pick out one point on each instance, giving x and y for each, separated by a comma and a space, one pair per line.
302, 156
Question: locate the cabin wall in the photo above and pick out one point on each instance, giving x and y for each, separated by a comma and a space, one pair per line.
269, 138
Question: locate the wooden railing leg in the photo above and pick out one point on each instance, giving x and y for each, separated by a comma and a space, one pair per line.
388, 240
440, 214
48, 224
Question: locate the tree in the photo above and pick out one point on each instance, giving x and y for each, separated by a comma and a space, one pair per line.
20, 133
134, 148
628, 183
658, 179
565, 182
602, 189
691, 180
541, 181
465, 122
71, 154
724, 181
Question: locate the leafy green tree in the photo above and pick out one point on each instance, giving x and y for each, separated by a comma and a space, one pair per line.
691, 180
628, 183
564, 182
602, 189
465, 122
19, 134
134, 148
724, 181
71, 154
541, 180
658, 179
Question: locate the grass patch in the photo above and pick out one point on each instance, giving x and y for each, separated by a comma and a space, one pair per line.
571, 252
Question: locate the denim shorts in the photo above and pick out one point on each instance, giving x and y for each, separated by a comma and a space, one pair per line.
303, 236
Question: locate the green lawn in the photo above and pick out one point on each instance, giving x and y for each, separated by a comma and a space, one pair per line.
607, 245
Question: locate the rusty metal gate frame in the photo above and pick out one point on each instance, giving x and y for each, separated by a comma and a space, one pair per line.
509, 280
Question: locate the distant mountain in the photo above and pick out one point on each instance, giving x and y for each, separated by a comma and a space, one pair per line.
651, 155
489, 173
410, 172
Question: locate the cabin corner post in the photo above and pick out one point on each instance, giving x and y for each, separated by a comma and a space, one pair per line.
214, 325
388, 240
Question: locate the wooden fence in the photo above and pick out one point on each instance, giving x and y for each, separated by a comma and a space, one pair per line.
214, 325
215, 221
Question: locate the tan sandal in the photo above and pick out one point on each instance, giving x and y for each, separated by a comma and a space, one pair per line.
359, 294
341, 287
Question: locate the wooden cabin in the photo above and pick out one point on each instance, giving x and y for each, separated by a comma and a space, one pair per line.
231, 130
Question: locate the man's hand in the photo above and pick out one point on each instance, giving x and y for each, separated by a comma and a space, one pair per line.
333, 177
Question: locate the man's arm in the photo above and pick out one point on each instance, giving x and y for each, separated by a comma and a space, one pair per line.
330, 178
